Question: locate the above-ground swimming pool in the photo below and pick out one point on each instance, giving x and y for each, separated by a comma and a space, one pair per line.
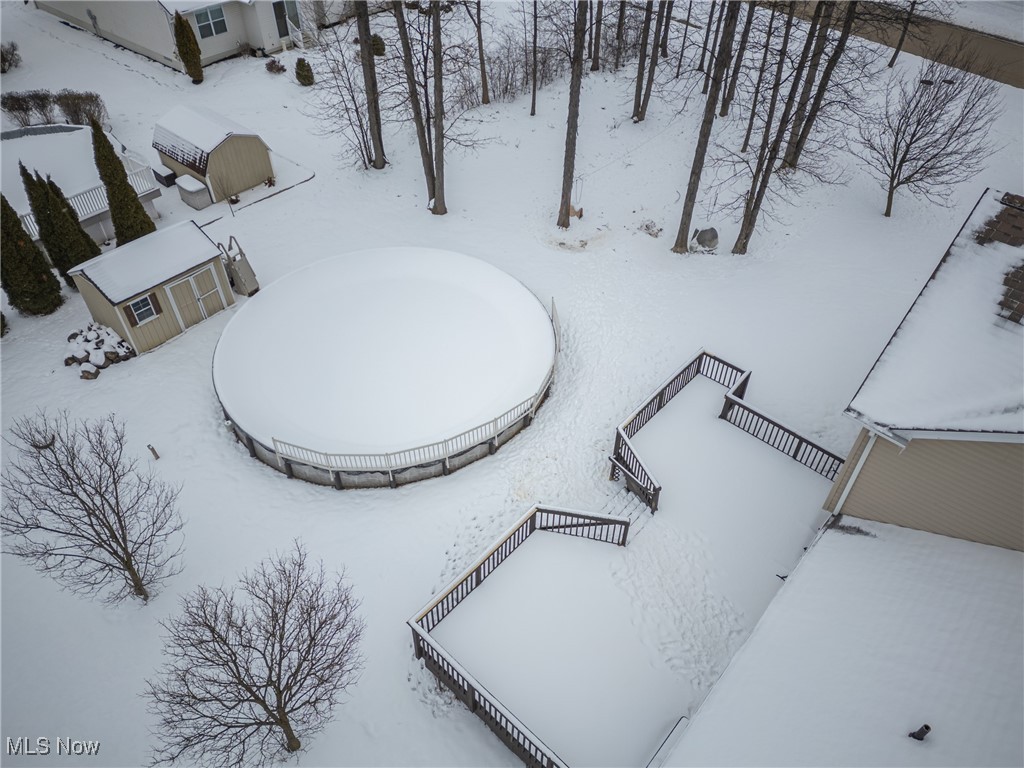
384, 366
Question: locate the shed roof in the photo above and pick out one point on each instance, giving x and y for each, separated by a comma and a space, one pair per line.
142, 264
190, 134
871, 637
956, 362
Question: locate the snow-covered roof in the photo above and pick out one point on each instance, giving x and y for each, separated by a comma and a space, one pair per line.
190, 134
188, 6
149, 261
871, 637
65, 154
955, 363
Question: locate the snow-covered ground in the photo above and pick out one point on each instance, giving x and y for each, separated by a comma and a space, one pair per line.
808, 310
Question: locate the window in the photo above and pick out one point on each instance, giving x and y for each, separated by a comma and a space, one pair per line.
141, 310
211, 22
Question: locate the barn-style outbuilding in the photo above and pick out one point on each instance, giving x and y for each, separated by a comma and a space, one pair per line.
154, 288
226, 157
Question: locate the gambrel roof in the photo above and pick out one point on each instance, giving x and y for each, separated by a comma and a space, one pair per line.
190, 134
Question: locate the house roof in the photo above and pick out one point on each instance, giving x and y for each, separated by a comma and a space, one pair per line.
190, 134
956, 362
188, 6
871, 637
136, 267
65, 153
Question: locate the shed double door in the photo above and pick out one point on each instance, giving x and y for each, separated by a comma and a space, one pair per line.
197, 297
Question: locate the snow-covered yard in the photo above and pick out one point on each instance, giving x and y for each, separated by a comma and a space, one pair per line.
807, 310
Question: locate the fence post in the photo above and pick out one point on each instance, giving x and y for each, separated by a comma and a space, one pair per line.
726, 406
796, 450
417, 644
337, 480
625, 534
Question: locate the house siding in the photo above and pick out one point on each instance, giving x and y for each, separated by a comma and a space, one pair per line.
966, 489
848, 468
239, 163
141, 27
229, 43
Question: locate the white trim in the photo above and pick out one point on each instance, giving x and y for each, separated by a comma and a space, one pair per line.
973, 437
856, 471
140, 323
174, 306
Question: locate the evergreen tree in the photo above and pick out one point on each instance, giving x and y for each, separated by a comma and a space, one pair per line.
129, 217
90, 245
304, 72
3, 324
75, 245
24, 274
188, 48
38, 202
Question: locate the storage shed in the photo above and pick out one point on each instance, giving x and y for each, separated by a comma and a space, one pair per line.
225, 156
154, 288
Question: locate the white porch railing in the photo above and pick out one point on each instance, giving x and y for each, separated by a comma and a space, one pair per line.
94, 200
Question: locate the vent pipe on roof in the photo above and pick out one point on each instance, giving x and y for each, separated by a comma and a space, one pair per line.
921, 732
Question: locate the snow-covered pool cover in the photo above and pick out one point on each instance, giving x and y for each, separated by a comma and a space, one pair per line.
954, 363
871, 637
382, 350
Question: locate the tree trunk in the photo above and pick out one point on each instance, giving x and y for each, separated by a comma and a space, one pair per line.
760, 78
485, 97
440, 208
645, 34
824, 17
722, 58
138, 586
654, 61
575, 82
414, 100
664, 33
888, 201
826, 78
714, 49
686, 33
533, 97
903, 35
707, 36
291, 741
619, 28
731, 91
590, 29
595, 62
370, 83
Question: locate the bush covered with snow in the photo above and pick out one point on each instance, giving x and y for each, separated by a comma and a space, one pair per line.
94, 348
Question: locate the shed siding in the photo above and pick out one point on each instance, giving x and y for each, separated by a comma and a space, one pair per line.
239, 163
844, 474
102, 310
158, 330
965, 489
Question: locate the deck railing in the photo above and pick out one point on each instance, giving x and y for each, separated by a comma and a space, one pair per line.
94, 200
639, 479
520, 739
441, 451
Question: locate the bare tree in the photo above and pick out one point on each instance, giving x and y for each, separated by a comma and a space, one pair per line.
251, 672
730, 92
426, 157
686, 33
76, 507
366, 57
755, 98
932, 131
478, 23
620, 26
533, 92
595, 63
439, 207
655, 50
665, 31
572, 123
645, 33
904, 29
731, 12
